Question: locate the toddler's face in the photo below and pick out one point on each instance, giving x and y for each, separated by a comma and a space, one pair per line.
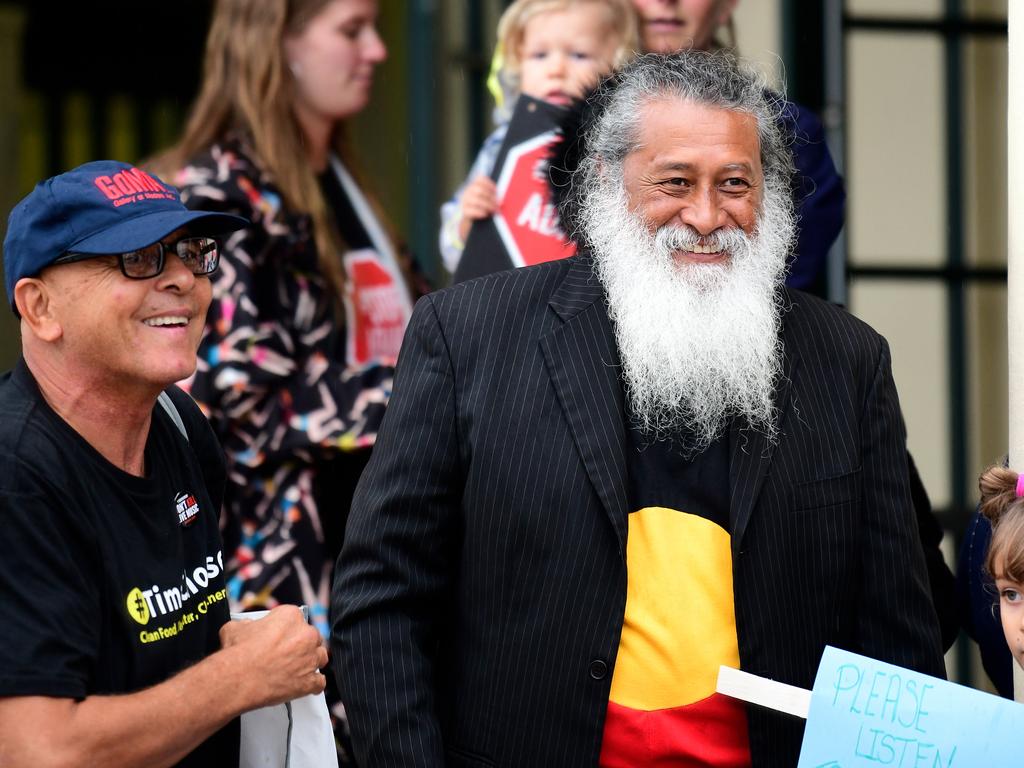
565, 53
1011, 612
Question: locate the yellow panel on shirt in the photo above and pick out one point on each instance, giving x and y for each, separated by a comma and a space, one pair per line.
680, 625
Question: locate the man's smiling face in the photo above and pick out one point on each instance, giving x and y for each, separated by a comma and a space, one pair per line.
695, 167
142, 332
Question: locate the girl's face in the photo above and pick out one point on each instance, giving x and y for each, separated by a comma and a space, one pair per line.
1011, 612
564, 53
332, 60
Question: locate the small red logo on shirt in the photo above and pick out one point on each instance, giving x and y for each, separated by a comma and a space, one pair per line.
187, 508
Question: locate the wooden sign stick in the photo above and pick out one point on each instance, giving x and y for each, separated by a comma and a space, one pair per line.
764, 692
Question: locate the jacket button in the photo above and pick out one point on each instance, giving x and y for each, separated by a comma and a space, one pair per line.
598, 669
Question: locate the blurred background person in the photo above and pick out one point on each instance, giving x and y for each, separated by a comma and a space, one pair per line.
552, 50
670, 25
310, 305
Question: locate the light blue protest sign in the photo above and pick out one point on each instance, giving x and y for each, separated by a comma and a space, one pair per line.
867, 713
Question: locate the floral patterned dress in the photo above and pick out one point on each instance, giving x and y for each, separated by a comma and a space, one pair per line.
294, 413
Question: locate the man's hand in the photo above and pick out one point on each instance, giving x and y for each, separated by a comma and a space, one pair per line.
263, 662
479, 200
281, 655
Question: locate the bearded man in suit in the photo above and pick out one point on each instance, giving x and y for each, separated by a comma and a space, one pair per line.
601, 478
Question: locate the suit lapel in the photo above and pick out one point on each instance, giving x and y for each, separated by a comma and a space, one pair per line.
584, 367
752, 454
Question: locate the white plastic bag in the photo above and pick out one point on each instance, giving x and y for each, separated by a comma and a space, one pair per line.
293, 735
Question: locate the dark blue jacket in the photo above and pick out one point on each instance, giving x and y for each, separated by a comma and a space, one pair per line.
976, 595
820, 199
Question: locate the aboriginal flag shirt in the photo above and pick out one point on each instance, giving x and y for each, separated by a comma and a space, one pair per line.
680, 621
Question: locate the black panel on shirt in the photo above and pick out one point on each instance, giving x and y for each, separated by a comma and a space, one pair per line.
660, 475
351, 229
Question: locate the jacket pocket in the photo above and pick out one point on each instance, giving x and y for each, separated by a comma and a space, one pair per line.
826, 492
455, 757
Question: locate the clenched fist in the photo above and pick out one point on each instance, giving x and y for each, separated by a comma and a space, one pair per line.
479, 200
280, 656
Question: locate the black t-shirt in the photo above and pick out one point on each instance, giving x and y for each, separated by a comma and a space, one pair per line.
109, 583
679, 623
662, 474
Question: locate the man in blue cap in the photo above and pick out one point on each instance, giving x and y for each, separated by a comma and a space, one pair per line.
118, 648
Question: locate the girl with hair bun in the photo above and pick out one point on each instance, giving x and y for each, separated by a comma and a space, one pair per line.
1002, 502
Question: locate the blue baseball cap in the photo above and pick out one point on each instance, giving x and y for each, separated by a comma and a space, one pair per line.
100, 207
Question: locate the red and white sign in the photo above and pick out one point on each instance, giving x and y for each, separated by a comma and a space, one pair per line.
375, 311
527, 220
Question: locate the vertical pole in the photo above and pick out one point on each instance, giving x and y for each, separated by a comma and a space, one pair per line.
791, 64
12, 84
834, 118
423, 221
956, 349
955, 260
1015, 256
478, 67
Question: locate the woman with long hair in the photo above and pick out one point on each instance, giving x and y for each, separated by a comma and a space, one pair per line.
311, 300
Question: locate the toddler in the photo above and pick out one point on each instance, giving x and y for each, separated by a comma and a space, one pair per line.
1002, 502
554, 50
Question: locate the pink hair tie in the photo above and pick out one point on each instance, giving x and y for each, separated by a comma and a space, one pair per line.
1020, 485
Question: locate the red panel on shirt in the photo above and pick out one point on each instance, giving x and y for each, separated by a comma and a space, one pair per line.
712, 731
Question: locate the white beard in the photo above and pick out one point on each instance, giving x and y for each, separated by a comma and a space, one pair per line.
699, 343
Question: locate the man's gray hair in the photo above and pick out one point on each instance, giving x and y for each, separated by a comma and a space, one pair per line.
611, 119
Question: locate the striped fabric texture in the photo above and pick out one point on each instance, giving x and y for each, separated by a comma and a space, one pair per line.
479, 597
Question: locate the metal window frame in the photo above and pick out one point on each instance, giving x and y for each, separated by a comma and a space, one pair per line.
955, 275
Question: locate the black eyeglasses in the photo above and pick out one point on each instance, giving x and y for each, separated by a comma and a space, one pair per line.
199, 254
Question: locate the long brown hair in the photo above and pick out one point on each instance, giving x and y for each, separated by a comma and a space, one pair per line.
1005, 510
247, 87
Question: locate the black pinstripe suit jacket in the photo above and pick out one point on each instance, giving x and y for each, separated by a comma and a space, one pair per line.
479, 597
